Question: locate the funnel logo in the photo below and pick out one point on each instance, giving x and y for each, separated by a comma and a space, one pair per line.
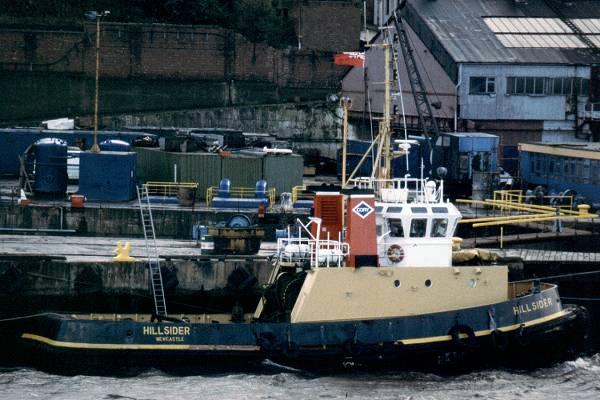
363, 210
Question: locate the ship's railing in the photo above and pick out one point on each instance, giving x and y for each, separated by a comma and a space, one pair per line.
402, 190
317, 253
169, 189
300, 193
302, 247
240, 193
517, 197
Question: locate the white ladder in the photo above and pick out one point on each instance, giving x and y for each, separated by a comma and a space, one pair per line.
152, 256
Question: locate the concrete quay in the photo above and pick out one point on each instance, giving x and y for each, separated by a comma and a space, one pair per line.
78, 273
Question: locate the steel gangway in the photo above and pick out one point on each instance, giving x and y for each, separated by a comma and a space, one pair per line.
152, 256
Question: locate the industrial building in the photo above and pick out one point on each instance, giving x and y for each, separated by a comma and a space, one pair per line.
525, 70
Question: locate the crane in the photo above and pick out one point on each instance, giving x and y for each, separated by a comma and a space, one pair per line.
427, 120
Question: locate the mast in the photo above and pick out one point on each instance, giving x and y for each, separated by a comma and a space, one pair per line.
384, 149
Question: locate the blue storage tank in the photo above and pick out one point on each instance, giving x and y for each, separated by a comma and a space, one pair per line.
115, 145
50, 166
108, 175
261, 189
224, 187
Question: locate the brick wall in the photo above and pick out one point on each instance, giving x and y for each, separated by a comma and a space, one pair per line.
166, 52
328, 25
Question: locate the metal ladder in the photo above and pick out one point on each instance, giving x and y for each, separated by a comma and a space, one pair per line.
152, 256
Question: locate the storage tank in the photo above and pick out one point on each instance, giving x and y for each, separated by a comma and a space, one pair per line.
50, 166
108, 175
115, 145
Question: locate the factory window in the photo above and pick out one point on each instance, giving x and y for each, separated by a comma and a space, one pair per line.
482, 85
566, 86
526, 85
596, 172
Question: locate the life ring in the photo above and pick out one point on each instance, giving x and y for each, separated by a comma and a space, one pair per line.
395, 253
500, 340
459, 329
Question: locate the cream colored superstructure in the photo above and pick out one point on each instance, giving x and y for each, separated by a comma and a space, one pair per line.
337, 294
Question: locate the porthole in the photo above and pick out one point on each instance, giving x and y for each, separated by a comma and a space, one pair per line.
397, 283
428, 283
129, 333
472, 282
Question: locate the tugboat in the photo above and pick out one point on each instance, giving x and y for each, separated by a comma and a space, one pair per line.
382, 294
367, 282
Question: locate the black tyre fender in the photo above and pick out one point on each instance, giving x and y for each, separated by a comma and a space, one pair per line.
523, 337
266, 341
500, 340
290, 350
352, 347
457, 330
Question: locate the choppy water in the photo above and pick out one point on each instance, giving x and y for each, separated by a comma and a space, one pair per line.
578, 379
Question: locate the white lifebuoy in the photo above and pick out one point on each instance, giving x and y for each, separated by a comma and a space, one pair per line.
395, 253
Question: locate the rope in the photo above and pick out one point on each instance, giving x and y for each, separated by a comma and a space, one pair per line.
581, 298
28, 316
560, 276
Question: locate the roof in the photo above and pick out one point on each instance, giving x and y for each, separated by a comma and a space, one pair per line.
506, 31
470, 134
589, 150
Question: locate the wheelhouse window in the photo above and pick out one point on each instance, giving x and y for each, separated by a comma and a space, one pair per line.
439, 227
482, 85
395, 227
418, 227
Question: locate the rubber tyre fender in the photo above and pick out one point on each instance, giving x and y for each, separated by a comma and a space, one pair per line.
290, 350
352, 347
266, 341
523, 338
500, 340
457, 330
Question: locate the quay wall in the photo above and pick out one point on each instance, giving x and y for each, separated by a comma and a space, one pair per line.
119, 221
49, 74
33, 284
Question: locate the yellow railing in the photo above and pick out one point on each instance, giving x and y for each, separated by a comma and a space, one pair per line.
517, 197
168, 189
239, 193
300, 193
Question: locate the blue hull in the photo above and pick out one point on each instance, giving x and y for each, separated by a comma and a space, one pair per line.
522, 331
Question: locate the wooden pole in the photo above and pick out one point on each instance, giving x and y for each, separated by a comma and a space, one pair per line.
95, 148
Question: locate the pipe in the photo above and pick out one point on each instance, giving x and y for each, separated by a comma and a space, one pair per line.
553, 218
457, 86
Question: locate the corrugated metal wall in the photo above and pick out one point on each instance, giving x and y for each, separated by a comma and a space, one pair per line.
242, 170
283, 172
152, 165
202, 168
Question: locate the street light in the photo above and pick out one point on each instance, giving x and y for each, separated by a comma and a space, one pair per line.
96, 16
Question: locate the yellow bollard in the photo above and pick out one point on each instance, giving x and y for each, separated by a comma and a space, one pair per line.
123, 252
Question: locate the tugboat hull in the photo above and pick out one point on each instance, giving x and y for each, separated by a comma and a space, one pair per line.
522, 332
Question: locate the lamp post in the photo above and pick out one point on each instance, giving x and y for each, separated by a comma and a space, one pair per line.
96, 16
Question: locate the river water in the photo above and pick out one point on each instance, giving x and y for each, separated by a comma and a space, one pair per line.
579, 379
